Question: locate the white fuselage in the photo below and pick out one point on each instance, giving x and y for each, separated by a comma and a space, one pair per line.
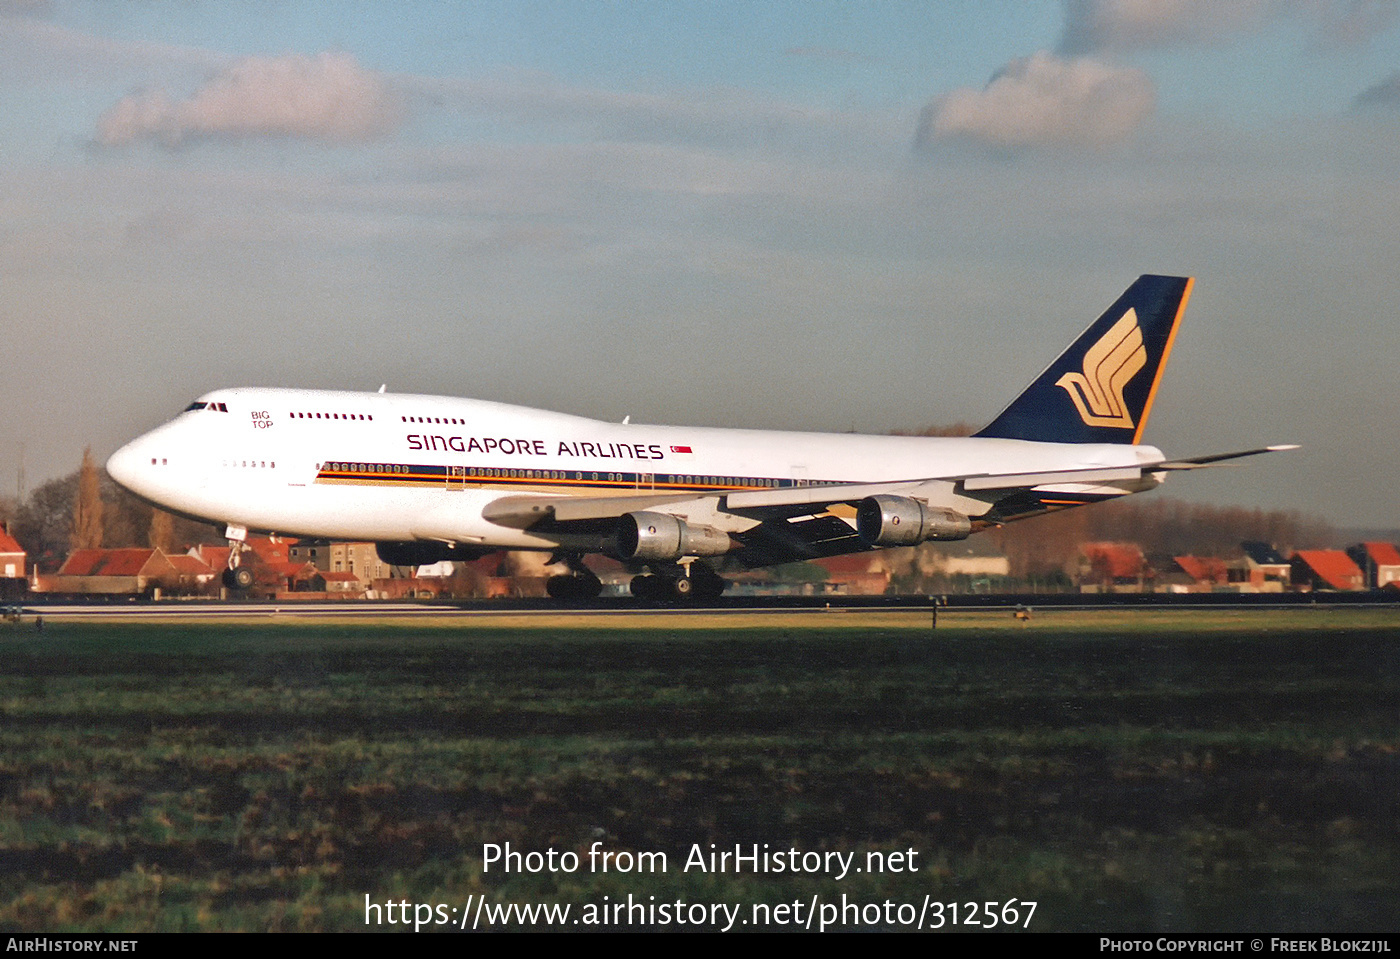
389, 467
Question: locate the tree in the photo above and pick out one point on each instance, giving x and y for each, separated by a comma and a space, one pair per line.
87, 506
162, 530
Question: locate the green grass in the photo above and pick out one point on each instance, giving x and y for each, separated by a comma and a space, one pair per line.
1128, 771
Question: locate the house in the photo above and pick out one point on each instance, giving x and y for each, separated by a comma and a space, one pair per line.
1326, 569
114, 571
1208, 573
361, 560
273, 560
1268, 571
193, 574
1379, 563
12, 557
855, 574
341, 585
970, 565
1112, 568
1212, 574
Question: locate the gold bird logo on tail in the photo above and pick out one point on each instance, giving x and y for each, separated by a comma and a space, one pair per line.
1109, 366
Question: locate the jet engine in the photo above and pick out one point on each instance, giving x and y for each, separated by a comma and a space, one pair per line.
887, 520
662, 537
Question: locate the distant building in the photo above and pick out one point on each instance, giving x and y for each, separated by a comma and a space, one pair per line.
276, 569
1268, 571
1326, 569
341, 584
974, 564
1260, 570
12, 557
114, 571
1379, 563
194, 574
855, 574
1112, 568
1208, 573
361, 560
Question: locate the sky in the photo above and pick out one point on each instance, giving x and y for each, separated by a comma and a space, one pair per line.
807, 215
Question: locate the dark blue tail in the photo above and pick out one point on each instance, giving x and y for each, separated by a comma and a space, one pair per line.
1101, 389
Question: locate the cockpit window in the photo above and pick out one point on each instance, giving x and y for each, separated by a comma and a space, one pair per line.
196, 405
212, 407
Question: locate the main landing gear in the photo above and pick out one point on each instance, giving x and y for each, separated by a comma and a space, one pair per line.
692, 583
578, 584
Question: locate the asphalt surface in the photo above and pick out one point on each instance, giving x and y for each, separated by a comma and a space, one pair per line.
213, 609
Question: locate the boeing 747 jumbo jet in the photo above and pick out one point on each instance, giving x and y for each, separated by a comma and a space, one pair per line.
433, 477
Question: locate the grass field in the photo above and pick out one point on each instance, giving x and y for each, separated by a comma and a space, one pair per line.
1125, 770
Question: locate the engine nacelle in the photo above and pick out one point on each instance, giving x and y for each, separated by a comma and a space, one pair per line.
660, 536
887, 520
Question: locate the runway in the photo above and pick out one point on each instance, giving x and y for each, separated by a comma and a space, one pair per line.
628, 606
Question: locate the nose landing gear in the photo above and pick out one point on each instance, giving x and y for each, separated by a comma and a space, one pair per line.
236, 575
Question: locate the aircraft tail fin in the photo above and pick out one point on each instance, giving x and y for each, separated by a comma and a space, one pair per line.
1101, 389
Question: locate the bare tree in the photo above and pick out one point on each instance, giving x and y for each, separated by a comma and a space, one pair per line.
87, 506
162, 530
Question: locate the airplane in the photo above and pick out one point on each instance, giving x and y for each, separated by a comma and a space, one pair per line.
429, 478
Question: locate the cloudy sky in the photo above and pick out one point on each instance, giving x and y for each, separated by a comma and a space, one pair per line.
807, 215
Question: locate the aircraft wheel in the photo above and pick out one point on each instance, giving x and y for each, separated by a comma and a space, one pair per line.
569, 587
683, 587
709, 585
240, 577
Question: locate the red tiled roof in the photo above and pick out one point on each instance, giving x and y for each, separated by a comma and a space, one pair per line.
1333, 567
1383, 554
215, 557
270, 549
8, 543
1204, 569
106, 562
1120, 560
187, 565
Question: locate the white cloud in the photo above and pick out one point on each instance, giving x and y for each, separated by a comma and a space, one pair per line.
328, 97
1045, 101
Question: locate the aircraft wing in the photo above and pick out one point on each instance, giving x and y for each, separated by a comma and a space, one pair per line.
529, 511
806, 522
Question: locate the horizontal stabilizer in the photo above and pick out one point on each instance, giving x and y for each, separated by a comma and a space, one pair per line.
1055, 477
1201, 462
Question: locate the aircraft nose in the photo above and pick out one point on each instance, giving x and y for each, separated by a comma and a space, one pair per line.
125, 465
